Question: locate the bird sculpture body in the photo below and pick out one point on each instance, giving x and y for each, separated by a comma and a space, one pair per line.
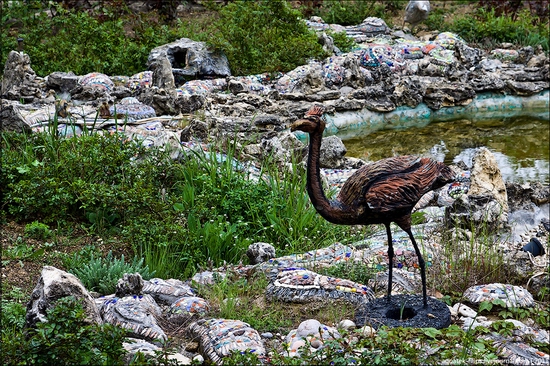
377, 193
416, 12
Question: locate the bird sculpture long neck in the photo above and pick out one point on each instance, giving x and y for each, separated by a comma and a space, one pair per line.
332, 211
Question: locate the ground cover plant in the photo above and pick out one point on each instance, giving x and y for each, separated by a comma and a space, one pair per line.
101, 203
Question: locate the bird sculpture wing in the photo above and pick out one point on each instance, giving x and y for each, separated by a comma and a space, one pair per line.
391, 184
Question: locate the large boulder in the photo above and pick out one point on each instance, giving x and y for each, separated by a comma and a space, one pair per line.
11, 117
486, 203
191, 60
19, 78
53, 285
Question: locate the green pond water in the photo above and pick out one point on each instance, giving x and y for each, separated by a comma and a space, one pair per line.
521, 145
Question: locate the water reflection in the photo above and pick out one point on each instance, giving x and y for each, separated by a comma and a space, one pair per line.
521, 145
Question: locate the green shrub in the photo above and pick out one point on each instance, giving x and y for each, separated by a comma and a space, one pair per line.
490, 29
65, 339
92, 178
80, 41
346, 12
37, 230
263, 36
102, 273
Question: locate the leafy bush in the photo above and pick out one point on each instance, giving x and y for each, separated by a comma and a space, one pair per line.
490, 29
102, 273
79, 41
55, 179
65, 339
263, 36
37, 230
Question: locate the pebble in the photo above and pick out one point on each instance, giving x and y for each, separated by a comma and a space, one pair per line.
367, 331
310, 331
198, 359
464, 310
346, 324
267, 335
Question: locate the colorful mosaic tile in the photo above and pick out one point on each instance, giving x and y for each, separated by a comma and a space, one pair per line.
300, 285
513, 296
220, 337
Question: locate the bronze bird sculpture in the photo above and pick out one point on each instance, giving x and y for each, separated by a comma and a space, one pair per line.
377, 193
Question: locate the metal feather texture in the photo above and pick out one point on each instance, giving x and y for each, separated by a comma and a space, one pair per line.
394, 184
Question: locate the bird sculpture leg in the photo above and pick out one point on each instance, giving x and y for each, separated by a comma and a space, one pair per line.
390, 257
422, 266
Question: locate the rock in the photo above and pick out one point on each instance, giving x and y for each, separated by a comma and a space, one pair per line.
446, 94
220, 337
260, 252
53, 285
346, 324
196, 129
486, 202
461, 309
62, 81
367, 331
19, 78
162, 73
332, 152
311, 331
129, 284
468, 56
376, 98
191, 60
137, 314
12, 119
189, 103
167, 292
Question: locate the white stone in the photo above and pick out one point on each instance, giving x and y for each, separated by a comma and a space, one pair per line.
464, 310
309, 327
367, 331
346, 324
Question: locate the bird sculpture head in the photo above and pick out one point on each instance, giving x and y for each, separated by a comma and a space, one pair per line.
312, 121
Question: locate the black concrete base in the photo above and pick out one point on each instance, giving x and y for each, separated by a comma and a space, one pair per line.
403, 311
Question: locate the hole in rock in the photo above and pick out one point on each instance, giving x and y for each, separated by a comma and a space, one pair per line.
179, 58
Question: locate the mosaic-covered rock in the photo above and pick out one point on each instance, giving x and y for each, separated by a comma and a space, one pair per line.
97, 80
300, 286
132, 108
135, 313
166, 291
187, 308
513, 296
220, 337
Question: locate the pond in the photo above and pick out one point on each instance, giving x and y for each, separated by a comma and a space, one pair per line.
521, 145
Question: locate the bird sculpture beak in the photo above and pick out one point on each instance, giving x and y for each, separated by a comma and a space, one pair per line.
296, 125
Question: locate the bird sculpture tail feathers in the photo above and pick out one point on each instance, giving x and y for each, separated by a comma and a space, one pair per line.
316, 110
